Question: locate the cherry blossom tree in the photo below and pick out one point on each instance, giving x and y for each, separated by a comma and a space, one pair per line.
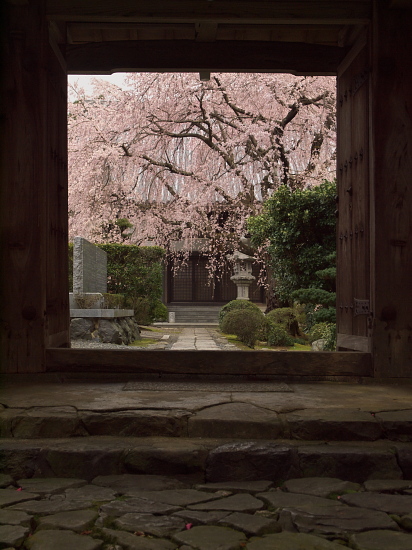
170, 158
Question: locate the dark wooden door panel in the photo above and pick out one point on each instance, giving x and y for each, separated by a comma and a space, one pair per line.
353, 240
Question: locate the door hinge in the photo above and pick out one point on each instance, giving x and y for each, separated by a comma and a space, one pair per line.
362, 307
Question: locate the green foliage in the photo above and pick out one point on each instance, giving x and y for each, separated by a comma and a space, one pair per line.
136, 272
326, 331
142, 310
246, 325
236, 305
314, 296
160, 311
277, 334
113, 301
123, 223
325, 315
300, 229
320, 303
327, 274
286, 318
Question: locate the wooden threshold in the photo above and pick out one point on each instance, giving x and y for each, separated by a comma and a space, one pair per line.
250, 363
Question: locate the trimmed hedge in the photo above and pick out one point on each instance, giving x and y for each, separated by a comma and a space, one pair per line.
276, 334
286, 318
246, 325
235, 305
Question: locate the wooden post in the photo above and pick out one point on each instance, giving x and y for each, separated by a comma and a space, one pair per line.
391, 222
30, 191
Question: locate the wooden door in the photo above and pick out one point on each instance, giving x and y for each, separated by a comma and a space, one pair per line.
353, 237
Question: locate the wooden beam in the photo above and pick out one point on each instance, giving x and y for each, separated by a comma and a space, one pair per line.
340, 12
82, 32
355, 343
205, 32
298, 363
401, 4
189, 56
56, 49
102, 32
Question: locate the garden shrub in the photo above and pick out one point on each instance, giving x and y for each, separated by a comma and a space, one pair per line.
236, 305
160, 311
326, 331
286, 318
113, 301
300, 226
325, 315
142, 310
276, 334
246, 325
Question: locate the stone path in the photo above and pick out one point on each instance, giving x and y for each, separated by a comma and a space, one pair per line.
182, 338
193, 338
149, 512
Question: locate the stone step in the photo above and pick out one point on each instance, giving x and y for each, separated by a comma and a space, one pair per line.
195, 314
204, 459
240, 420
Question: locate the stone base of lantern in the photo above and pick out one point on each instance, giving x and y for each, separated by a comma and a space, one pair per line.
242, 284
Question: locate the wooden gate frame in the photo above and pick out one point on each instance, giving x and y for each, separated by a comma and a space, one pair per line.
34, 318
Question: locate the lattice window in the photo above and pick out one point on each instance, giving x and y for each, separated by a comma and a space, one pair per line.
182, 283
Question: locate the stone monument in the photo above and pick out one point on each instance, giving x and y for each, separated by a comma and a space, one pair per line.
89, 267
91, 319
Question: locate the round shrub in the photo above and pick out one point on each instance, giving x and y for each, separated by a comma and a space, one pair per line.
236, 305
246, 325
276, 334
325, 315
286, 318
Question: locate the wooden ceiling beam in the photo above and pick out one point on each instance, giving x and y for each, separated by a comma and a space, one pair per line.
339, 12
203, 32
401, 4
190, 56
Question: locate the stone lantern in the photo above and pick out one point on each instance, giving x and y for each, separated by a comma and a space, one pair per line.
242, 277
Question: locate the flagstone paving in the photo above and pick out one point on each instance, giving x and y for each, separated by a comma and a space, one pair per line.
149, 512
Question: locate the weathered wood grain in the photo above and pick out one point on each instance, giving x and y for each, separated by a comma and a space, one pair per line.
33, 202
392, 219
352, 342
106, 31
23, 189
353, 227
211, 362
185, 55
55, 253
345, 12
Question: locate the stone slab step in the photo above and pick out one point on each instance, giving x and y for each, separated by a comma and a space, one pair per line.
205, 459
240, 420
195, 314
